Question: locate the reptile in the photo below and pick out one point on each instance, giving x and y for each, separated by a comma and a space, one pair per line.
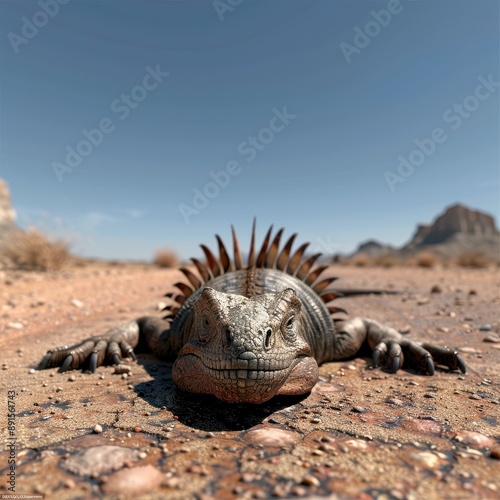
248, 332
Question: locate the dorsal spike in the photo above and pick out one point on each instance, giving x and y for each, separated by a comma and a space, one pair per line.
296, 258
315, 274
238, 264
306, 266
224, 257
285, 253
205, 273
251, 254
328, 296
179, 300
212, 262
273, 250
261, 258
333, 310
193, 279
185, 289
319, 287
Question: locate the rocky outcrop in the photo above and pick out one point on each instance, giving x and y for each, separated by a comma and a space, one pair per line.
457, 219
374, 248
7, 213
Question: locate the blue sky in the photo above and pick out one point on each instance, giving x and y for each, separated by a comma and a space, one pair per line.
309, 107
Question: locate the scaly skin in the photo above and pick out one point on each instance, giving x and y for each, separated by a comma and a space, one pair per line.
246, 335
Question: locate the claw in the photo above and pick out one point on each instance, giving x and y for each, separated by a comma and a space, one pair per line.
45, 361
116, 359
460, 363
430, 366
67, 363
132, 355
93, 362
395, 364
376, 356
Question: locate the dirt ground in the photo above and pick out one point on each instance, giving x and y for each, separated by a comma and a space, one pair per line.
360, 434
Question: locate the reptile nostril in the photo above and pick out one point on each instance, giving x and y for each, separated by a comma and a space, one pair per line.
267, 342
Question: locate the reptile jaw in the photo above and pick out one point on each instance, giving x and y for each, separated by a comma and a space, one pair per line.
191, 373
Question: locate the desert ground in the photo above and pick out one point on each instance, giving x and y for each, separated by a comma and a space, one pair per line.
362, 433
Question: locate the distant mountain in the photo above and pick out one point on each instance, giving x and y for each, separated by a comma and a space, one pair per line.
459, 229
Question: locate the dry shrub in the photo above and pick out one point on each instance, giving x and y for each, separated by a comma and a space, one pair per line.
360, 260
474, 259
386, 261
165, 258
426, 259
34, 250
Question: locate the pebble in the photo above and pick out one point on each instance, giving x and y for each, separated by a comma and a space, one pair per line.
405, 329
120, 369
133, 481
395, 401
495, 452
422, 301
359, 409
77, 303
469, 350
97, 429
494, 339
310, 481
270, 436
474, 439
436, 289
97, 460
161, 305
443, 329
15, 325
485, 328
426, 458
422, 426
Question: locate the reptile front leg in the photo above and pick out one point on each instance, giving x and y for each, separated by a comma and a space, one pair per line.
112, 347
389, 346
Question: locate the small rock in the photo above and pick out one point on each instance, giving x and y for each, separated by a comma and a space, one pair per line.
472, 291
161, 305
359, 409
436, 289
395, 401
310, 481
120, 369
426, 458
97, 429
474, 439
270, 436
77, 303
443, 329
133, 481
405, 329
494, 339
97, 460
469, 350
15, 325
485, 328
423, 300
495, 452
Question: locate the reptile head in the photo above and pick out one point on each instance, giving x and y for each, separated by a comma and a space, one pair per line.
246, 349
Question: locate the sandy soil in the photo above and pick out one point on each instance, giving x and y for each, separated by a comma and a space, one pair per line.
360, 434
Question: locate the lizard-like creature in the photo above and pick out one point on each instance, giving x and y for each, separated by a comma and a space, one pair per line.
246, 333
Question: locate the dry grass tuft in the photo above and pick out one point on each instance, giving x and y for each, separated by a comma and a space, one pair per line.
474, 259
165, 258
360, 260
386, 261
33, 250
424, 259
